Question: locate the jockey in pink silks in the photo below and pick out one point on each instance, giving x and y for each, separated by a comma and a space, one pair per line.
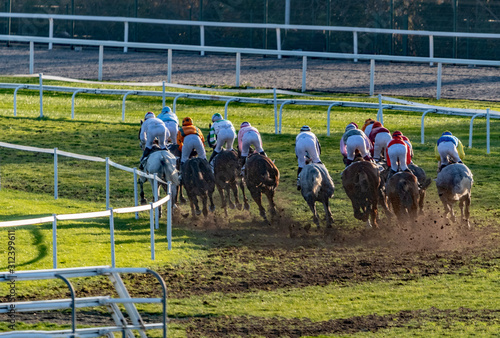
379, 137
352, 140
248, 136
307, 147
398, 154
171, 122
152, 128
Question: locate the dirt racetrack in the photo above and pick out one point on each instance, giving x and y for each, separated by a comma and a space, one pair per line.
458, 82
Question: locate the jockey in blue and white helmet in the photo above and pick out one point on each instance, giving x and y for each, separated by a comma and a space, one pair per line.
152, 128
307, 146
448, 147
221, 133
171, 122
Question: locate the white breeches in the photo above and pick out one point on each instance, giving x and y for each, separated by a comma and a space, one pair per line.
225, 136
303, 146
448, 149
356, 142
173, 128
191, 142
381, 141
157, 131
251, 138
397, 155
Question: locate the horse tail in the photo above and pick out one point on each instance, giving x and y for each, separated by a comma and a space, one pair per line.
167, 172
362, 181
405, 193
316, 182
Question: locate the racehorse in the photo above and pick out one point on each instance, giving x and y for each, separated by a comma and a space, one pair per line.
198, 180
403, 194
454, 183
162, 163
262, 176
227, 175
317, 185
361, 182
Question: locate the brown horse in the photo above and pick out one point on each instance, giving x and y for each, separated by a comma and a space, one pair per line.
199, 181
262, 177
403, 194
361, 182
423, 183
227, 177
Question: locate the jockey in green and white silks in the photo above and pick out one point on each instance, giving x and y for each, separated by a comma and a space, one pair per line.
352, 140
152, 128
306, 145
171, 122
221, 133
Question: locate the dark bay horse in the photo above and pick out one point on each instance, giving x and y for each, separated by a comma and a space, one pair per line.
262, 177
403, 195
198, 181
227, 178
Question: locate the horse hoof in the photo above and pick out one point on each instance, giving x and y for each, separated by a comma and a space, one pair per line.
239, 206
198, 212
144, 201
212, 208
247, 206
231, 205
182, 200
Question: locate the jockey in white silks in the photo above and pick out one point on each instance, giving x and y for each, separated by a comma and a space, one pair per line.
352, 140
171, 122
398, 154
189, 137
379, 137
307, 146
152, 128
248, 136
221, 133
448, 146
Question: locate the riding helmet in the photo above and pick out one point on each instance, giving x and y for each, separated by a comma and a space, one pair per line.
377, 125
351, 126
305, 128
166, 110
397, 133
149, 115
187, 121
447, 133
245, 124
216, 117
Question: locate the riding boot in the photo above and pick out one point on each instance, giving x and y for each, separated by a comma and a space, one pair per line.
347, 162
441, 167
243, 161
368, 158
146, 153
390, 174
214, 153
298, 178
263, 153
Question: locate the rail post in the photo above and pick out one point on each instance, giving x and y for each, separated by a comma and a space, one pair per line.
431, 49
380, 112
372, 76
278, 41
32, 57
488, 130
73, 102
202, 39
41, 93
235, 99
422, 126
355, 44
275, 111
471, 129
101, 57
54, 242
73, 302
152, 231
56, 179
123, 103
163, 95
169, 216
15, 98
169, 66
107, 183
438, 86
238, 67
51, 31
125, 36
135, 192
174, 104
155, 196
304, 71
328, 119
281, 112
112, 237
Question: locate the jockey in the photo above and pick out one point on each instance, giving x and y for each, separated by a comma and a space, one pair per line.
448, 146
397, 152
352, 140
190, 137
367, 127
247, 136
171, 122
408, 142
379, 137
306, 146
152, 128
221, 132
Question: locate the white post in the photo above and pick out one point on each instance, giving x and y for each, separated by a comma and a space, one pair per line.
275, 111
169, 216
422, 127
32, 57
174, 104
55, 174
54, 242
155, 198
41, 94
135, 192
355, 44
304, 70
470, 127
101, 56
123, 103
15, 98
438, 91
73, 102
238, 66
51, 31
328, 118
380, 113
431, 48
227, 104
278, 41
107, 183
152, 232
287, 12
169, 67
281, 112
125, 36
488, 130
372, 76
202, 39
163, 95
112, 235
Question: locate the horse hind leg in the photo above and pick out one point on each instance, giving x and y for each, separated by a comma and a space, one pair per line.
270, 200
328, 213
228, 193
257, 197
222, 198
312, 206
234, 188
246, 205
464, 210
141, 185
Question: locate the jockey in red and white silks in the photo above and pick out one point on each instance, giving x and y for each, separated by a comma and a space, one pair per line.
306, 146
152, 128
221, 133
352, 140
398, 153
380, 137
171, 122
248, 136
449, 146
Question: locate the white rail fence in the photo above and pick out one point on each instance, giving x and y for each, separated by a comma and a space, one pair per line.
109, 212
202, 48
127, 329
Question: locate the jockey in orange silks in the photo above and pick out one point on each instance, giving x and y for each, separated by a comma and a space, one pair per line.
189, 137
